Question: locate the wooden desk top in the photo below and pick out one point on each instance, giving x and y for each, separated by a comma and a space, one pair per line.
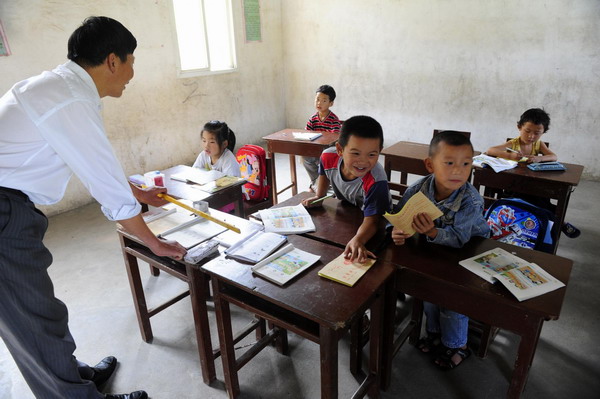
440, 263
316, 298
336, 222
327, 139
409, 149
570, 177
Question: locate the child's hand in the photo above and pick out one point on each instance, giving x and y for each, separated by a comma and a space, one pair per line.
399, 237
356, 251
534, 158
517, 156
423, 224
308, 202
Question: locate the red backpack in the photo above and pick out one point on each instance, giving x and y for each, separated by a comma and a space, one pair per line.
253, 167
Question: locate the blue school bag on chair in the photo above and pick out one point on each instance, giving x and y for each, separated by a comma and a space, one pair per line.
520, 223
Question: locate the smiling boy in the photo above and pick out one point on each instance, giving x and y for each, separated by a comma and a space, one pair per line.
352, 169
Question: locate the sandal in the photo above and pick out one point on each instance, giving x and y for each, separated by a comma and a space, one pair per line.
445, 362
430, 343
570, 230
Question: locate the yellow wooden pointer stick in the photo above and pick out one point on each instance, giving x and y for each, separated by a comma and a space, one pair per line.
199, 213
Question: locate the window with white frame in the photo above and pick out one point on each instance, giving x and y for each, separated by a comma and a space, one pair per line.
204, 36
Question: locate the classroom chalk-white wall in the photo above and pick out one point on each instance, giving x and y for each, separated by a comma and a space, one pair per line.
157, 121
418, 65
415, 65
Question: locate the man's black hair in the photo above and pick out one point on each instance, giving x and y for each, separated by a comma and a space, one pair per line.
96, 38
361, 126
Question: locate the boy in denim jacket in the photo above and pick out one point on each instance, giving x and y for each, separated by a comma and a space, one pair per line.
450, 161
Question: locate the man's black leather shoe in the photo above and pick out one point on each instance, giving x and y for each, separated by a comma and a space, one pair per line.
132, 395
103, 371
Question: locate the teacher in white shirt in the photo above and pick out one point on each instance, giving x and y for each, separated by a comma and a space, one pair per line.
50, 128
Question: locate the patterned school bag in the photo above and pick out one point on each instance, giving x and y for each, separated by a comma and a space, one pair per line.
253, 167
520, 223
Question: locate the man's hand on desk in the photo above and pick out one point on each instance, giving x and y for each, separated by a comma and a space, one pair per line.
168, 248
149, 195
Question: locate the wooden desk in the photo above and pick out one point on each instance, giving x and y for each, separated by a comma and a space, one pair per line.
219, 199
336, 222
283, 142
548, 184
431, 273
310, 306
134, 249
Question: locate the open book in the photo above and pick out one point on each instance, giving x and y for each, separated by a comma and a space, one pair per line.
343, 271
198, 176
285, 264
307, 136
287, 220
523, 279
418, 203
184, 227
498, 164
256, 246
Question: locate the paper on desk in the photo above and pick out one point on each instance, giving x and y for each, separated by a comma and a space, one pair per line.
198, 176
418, 203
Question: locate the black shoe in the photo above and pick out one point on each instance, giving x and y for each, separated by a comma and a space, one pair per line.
132, 395
570, 230
103, 371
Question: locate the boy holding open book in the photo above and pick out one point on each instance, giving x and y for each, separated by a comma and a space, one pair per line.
450, 161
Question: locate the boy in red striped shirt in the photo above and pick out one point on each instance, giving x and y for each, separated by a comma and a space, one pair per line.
322, 120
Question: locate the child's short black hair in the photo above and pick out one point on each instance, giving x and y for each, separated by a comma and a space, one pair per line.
537, 116
222, 132
96, 38
449, 137
328, 91
361, 126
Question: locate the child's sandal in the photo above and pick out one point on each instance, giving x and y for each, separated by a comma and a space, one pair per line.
429, 343
445, 362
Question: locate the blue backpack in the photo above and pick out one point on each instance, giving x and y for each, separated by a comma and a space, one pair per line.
520, 223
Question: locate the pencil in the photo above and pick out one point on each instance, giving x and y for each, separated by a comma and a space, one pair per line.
321, 199
511, 150
200, 213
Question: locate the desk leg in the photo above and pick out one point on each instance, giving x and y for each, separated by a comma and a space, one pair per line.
529, 341
329, 363
376, 343
293, 174
199, 295
139, 299
356, 345
273, 183
226, 341
387, 335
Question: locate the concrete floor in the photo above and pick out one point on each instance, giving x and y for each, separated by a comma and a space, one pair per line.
90, 278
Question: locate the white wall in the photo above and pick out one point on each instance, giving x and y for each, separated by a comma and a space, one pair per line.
415, 65
472, 65
157, 121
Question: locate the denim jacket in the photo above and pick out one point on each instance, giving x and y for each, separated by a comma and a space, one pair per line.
462, 212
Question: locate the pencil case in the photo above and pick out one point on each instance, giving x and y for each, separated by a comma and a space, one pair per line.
546, 166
